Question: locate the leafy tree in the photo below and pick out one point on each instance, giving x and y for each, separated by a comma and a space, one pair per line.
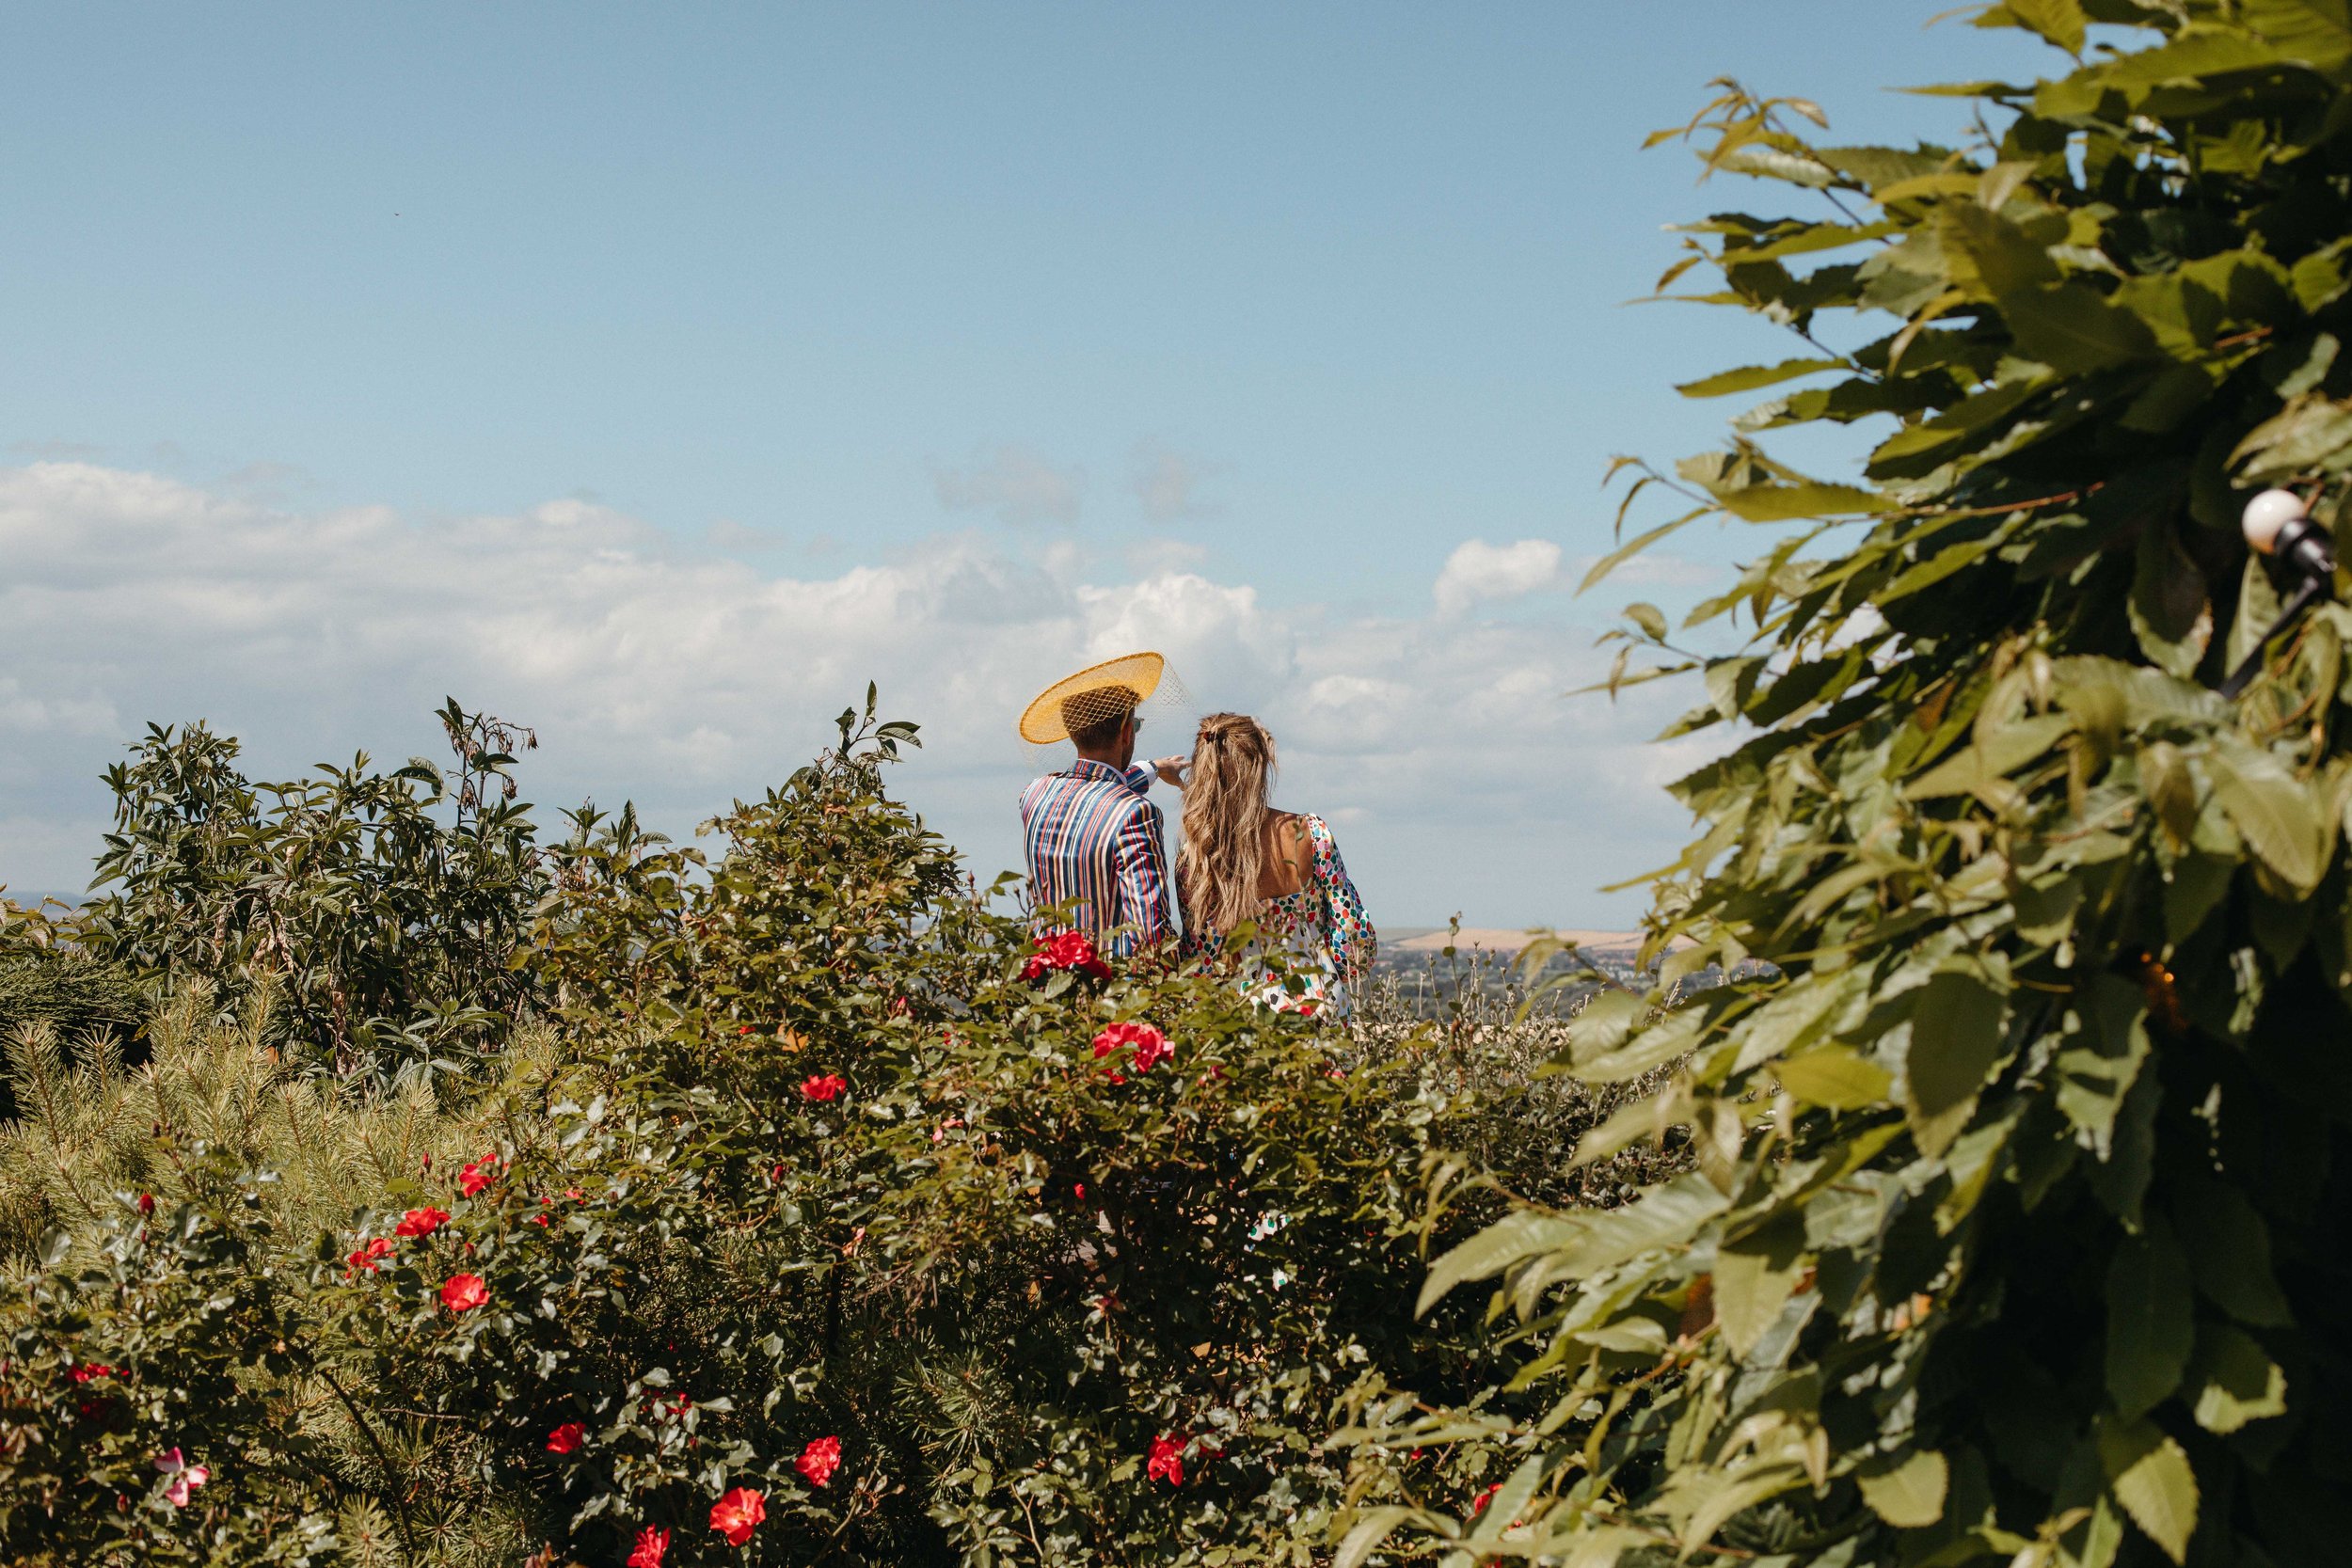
388, 929
2017, 1232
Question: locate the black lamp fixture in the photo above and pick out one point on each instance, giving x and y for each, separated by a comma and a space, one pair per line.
2278, 523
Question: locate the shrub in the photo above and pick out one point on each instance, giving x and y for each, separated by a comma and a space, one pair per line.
2015, 1230
812, 1184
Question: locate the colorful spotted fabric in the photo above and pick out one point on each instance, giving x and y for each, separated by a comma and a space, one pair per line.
1094, 844
1319, 934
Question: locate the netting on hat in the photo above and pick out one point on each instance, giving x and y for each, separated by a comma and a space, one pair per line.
1140, 684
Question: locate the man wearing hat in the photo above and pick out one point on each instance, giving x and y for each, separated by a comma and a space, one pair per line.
1093, 837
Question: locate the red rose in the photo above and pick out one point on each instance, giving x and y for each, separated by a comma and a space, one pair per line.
374, 1253
147, 1203
1478, 1504
1167, 1462
1065, 950
651, 1543
1147, 1045
479, 1175
86, 1370
421, 1222
464, 1292
823, 1088
819, 1460
563, 1439
736, 1514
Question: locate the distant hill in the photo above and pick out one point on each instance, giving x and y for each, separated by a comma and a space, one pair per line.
1502, 942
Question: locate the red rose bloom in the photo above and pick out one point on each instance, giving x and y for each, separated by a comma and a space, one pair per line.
563, 1439
86, 1370
421, 1222
1065, 950
1478, 1504
736, 1514
651, 1543
464, 1292
823, 1088
1167, 1462
819, 1460
147, 1203
374, 1253
479, 1175
1147, 1045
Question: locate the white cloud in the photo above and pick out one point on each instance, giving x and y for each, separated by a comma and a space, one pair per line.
1016, 483
683, 680
1167, 484
1477, 570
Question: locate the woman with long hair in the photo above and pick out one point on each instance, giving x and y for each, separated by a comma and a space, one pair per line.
1243, 861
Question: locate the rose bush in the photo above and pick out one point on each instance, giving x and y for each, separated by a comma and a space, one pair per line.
841, 1217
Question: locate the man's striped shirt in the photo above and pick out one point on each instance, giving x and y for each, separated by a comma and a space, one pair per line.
1094, 842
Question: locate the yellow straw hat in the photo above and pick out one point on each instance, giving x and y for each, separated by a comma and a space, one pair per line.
1100, 691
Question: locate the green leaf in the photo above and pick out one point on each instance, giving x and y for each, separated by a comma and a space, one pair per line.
2233, 1381
2318, 32
1371, 1528
1602, 1026
1835, 1077
2070, 327
1521, 1234
2150, 1478
2276, 811
1778, 503
1993, 758
1754, 1277
1907, 1490
1749, 378
2150, 1327
1510, 1503
2228, 1248
2169, 613
2311, 433
1956, 1036
1649, 618
1635, 545
2061, 21
1664, 1216
2000, 258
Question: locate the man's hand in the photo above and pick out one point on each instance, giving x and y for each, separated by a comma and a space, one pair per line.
1172, 769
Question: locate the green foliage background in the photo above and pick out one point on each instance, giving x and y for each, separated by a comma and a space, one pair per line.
2017, 1229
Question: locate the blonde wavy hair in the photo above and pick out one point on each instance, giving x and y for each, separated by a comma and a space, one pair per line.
1225, 817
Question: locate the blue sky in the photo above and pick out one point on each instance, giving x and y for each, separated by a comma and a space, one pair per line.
1282, 303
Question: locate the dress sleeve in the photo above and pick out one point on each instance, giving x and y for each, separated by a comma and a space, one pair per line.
1143, 879
1352, 941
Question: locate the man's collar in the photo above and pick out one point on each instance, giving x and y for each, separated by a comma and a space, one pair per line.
1088, 768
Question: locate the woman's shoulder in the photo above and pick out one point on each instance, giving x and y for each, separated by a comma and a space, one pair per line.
1302, 824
